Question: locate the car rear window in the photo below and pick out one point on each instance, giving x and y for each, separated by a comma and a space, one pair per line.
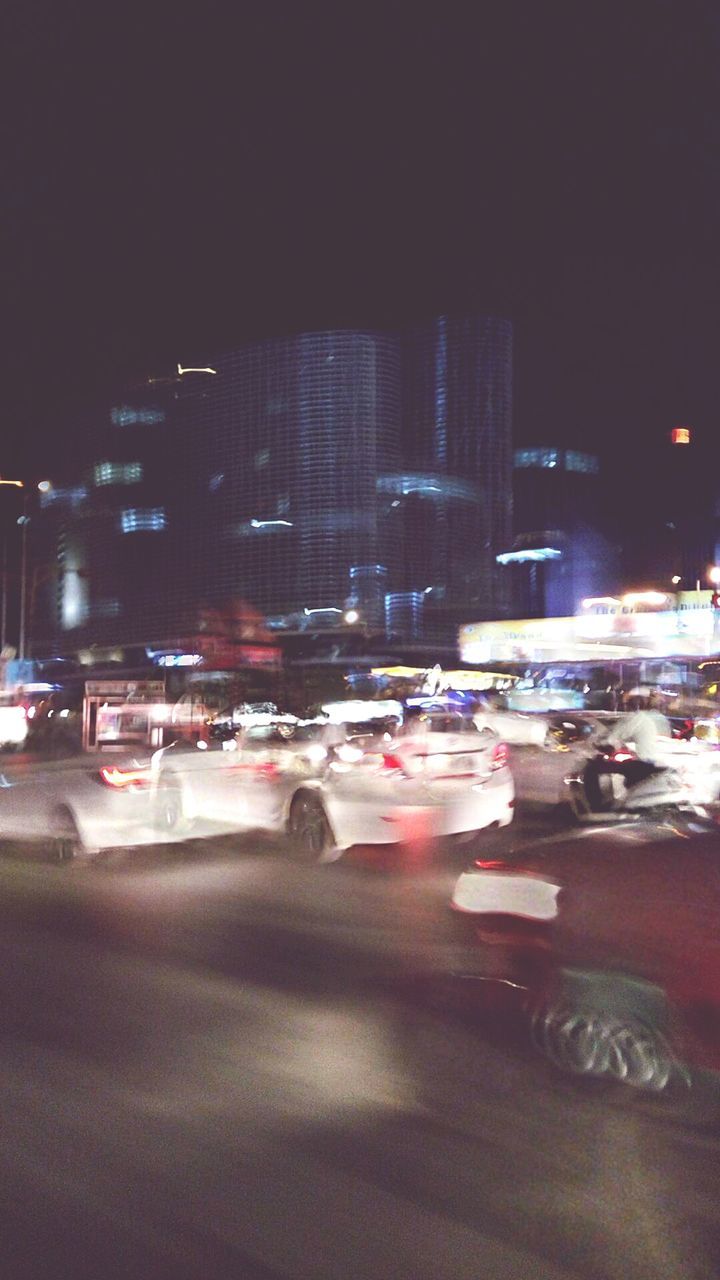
452, 724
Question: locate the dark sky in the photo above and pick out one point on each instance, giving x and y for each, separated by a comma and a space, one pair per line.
176, 178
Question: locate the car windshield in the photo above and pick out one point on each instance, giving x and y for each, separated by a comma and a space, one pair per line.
281, 734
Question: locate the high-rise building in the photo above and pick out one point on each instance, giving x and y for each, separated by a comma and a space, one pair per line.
457, 447
316, 473
560, 553
284, 446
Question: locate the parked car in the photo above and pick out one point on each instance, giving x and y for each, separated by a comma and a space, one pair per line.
335, 785
615, 944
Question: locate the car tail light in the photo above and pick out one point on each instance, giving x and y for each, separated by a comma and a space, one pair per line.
268, 769
119, 779
392, 764
500, 757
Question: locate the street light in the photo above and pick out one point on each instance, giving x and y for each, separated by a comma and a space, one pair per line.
23, 521
714, 574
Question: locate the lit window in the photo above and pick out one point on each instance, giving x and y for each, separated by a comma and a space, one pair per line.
215, 481
126, 415
65, 497
262, 457
117, 473
435, 487
575, 461
142, 519
251, 528
535, 457
680, 435
283, 504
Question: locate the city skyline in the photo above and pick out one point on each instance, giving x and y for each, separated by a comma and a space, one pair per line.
365, 472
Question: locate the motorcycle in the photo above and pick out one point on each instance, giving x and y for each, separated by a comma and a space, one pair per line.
615, 785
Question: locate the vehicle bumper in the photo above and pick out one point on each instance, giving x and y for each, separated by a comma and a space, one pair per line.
375, 820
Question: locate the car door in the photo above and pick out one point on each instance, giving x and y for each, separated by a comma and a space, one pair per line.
249, 780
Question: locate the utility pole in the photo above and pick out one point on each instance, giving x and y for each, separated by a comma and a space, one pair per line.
3, 620
23, 522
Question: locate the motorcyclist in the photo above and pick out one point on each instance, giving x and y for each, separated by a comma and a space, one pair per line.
644, 730
642, 733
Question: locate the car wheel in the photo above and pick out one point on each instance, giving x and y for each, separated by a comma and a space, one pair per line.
170, 816
309, 828
598, 1044
66, 843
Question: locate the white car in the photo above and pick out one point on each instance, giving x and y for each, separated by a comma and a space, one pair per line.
332, 786
13, 722
79, 807
516, 727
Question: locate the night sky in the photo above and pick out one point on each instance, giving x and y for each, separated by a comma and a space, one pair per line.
177, 178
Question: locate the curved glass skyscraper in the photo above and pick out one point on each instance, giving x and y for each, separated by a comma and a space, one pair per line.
312, 473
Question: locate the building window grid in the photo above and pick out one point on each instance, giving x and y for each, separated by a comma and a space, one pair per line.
107, 473
351, 407
142, 519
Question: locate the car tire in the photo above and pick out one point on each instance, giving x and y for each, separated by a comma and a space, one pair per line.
66, 842
309, 829
600, 1044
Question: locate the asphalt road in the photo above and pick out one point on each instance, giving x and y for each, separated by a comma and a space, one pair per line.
219, 1064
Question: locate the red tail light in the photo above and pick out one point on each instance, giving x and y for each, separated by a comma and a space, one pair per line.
120, 778
269, 769
500, 757
391, 763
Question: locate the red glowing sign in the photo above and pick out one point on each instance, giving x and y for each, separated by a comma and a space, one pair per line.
680, 435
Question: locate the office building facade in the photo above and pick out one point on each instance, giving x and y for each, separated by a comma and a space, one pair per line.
307, 476
561, 553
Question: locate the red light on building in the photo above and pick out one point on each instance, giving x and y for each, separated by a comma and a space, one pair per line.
680, 435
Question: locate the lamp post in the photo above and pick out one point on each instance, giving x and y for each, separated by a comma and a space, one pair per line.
23, 521
3, 618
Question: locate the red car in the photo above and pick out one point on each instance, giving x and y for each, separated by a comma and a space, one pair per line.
614, 944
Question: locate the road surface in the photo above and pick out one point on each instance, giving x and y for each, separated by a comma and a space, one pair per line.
218, 1064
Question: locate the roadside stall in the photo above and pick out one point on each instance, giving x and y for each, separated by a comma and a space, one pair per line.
122, 713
